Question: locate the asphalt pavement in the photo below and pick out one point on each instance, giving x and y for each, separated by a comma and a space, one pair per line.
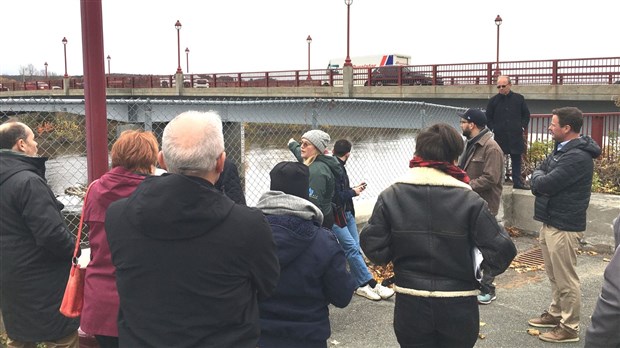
520, 296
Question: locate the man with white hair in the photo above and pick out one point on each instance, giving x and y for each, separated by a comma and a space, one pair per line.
35, 246
191, 264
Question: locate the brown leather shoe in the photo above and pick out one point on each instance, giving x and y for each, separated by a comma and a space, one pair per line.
545, 320
559, 334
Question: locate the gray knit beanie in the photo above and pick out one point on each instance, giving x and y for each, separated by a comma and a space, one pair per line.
318, 138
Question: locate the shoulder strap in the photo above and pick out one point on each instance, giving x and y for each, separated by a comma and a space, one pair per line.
79, 234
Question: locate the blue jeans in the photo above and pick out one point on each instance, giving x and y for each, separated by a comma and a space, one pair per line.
349, 240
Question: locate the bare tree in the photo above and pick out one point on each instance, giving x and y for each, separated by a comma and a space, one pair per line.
27, 70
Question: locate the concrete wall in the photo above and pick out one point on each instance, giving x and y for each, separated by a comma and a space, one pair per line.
518, 210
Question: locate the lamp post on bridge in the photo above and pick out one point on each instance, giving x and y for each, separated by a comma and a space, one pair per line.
309, 41
347, 61
498, 22
109, 59
64, 43
45, 70
187, 59
177, 25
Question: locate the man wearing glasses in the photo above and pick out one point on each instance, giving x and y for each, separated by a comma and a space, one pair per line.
508, 117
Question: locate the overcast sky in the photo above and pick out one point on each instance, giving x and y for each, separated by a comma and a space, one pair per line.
268, 35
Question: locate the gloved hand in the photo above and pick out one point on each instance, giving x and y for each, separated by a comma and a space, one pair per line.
291, 140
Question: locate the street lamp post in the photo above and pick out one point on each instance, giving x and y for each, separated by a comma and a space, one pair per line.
45, 69
187, 59
347, 61
309, 41
109, 59
177, 25
498, 22
64, 43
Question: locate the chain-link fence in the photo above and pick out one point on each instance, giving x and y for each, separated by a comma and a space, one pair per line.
256, 134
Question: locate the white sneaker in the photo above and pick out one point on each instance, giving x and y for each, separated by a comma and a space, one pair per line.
368, 292
383, 291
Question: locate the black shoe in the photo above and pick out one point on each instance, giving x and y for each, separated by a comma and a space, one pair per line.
520, 187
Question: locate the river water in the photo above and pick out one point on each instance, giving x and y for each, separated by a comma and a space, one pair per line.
378, 162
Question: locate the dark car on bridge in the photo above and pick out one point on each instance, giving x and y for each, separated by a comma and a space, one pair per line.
388, 76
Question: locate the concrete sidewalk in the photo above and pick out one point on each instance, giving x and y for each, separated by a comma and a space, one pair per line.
520, 296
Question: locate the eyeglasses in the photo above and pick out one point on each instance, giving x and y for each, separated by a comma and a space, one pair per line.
501, 86
306, 144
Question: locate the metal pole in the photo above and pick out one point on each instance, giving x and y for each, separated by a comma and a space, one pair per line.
64, 43
109, 59
309, 40
45, 69
347, 61
178, 27
94, 89
187, 60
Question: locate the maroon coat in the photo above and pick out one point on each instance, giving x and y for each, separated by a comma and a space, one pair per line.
99, 315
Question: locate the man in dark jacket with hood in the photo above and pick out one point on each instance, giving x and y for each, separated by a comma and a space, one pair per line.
313, 265
190, 264
35, 246
562, 184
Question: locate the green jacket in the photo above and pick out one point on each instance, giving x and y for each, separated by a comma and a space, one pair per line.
323, 172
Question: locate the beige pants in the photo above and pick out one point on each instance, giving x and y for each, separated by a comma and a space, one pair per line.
559, 249
70, 341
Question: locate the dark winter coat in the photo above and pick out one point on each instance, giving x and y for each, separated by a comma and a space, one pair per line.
323, 173
230, 183
427, 224
508, 117
35, 252
190, 265
344, 193
313, 275
562, 184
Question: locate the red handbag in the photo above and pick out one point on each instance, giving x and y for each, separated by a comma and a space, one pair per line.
73, 299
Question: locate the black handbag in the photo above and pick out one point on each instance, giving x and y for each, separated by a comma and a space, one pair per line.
339, 218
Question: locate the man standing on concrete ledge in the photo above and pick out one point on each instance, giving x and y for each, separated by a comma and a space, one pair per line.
508, 118
562, 184
483, 162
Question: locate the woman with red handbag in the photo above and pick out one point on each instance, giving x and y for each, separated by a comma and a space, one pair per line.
134, 155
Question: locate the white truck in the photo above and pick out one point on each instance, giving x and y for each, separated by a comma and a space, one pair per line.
371, 61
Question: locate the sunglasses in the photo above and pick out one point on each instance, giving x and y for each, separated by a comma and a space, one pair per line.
501, 86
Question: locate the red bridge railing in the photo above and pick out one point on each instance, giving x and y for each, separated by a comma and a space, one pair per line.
583, 71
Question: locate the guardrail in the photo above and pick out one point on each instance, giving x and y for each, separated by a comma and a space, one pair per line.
583, 71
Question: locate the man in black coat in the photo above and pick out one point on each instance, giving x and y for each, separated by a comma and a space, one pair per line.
35, 246
191, 264
508, 118
562, 184
230, 183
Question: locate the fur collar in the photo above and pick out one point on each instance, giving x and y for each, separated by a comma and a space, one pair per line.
431, 177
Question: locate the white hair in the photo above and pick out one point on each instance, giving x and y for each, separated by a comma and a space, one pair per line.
192, 142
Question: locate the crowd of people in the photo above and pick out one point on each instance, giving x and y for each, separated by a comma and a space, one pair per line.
179, 260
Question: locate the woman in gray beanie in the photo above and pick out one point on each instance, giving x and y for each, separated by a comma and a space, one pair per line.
323, 170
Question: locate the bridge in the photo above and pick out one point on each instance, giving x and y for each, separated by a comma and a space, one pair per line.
589, 83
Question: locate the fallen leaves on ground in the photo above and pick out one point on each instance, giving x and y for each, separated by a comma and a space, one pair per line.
481, 336
522, 268
513, 231
382, 272
587, 252
606, 259
533, 332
